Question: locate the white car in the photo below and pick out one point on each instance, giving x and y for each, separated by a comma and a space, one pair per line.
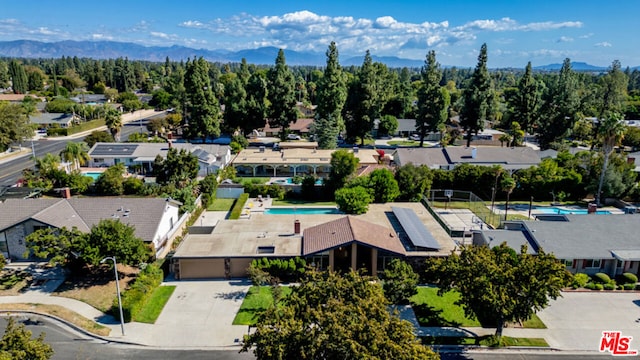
415, 137
293, 137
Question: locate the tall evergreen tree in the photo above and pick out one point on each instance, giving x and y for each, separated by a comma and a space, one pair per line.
202, 107
235, 104
331, 97
255, 103
124, 76
613, 91
18, 77
363, 103
4, 75
432, 108
282, 96
561, 103
527, 101
476, 98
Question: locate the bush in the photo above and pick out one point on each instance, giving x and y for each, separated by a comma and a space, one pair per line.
610, 286
590, 286
236, 210
275, 191
628, 278
579, 280
601, 278
132, 185
629, 286
400, 282
290, 270
134, 299
57, 132
598, 287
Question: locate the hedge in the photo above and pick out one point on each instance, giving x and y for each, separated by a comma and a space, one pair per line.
629, 278
287, 270
134, 298
629, 286
601, 278
236, 210
580, 280
609, 286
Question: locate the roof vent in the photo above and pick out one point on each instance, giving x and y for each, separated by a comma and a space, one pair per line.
266, 249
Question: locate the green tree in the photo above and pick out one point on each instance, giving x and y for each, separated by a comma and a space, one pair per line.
613, 91
353, 200
610, 133
517, 134
110, 237
561, 102
363, 101
98, 136
202, 106
56, 245
75, 152
331, 97
476, 98
526, 102
14, 125
17, 343
432, 105
235, 105
256, 109
497, 285
161, 99
110, 182
282, 96
507, 184
383, 185
343, 165
413, 181
400, 282
329, 316
113, 120
19, 81
388, 125
178, 168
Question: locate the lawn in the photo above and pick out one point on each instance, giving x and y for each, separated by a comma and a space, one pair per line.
258, 299
221, 205
288, 202
153, 307
434, 310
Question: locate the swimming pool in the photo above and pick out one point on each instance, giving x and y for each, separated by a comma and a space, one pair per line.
289, 181
301, 211
560, 211
92, 174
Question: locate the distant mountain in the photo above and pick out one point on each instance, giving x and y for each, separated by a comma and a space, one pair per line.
575, 65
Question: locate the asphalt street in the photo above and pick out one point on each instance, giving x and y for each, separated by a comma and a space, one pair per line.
11, 171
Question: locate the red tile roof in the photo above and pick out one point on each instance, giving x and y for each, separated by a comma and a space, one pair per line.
346, 230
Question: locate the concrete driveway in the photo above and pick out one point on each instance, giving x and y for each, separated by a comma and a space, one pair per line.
576, 321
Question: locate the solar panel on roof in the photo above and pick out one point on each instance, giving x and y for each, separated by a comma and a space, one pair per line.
418, 234
114, 149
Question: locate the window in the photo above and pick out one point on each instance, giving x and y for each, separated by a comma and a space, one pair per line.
567, 262
592, 263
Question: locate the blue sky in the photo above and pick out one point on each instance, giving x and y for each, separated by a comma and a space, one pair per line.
542, 32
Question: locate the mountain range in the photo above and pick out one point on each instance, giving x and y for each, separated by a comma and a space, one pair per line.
263, 55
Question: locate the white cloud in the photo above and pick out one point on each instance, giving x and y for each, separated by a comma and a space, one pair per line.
603, 44
101, 37
195, 24
564, 39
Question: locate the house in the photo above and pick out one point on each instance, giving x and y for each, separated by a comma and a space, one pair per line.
47, 120
449, 157
585, 243
634, 158
139, 157
300, 127
307, 110
338, 242
293, 161
90, 99
155, 220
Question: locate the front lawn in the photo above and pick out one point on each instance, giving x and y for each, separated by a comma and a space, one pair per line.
258, 299
221, 205
153, 307
483, 340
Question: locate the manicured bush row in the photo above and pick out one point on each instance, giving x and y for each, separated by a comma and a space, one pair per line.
236, 210
134, 298
628, 278
281, 269
601, 278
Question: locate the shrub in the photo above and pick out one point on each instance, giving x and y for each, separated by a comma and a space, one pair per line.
579, 280
279, 269
598, 287
236, 210
629, 286
132, 185
134, 299
400, 282
601, 278
590, 286
609, 286
628, 278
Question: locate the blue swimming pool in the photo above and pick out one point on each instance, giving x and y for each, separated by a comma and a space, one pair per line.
560, 211
301, 211
92, 174
289, 181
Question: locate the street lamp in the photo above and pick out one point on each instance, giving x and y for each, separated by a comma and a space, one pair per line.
115, 269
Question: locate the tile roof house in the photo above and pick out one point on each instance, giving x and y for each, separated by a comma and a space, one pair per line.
211, 157
586, 243
449, 157
155, 220
301, 127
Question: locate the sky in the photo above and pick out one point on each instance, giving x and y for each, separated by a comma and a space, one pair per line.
543, 32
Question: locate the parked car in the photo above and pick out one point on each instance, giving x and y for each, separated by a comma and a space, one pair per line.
293, 137
415, 137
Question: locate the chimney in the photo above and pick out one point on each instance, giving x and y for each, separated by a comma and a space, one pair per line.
296, 227
355, 149
474, 152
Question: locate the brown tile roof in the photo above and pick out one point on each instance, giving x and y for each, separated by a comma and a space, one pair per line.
347, 230
301, 125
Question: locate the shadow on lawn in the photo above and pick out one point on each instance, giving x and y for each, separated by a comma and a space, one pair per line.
95, 276
429, 316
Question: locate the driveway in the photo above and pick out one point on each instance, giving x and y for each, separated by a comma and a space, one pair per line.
576, 321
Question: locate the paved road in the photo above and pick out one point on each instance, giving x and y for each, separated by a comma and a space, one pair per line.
69, 345
490, 355
11, 171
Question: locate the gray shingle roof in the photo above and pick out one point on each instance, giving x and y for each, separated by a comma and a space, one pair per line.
15, 211
512, 158
51, 118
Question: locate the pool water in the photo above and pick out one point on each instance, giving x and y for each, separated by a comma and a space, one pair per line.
93, 175
289, 181
555, 210
301, 211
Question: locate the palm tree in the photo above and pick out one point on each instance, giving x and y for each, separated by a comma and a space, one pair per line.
507, 184
504, 138
47, 163
75, 152
113, 120
610, 133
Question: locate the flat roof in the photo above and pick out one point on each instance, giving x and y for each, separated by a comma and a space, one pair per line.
418, 234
